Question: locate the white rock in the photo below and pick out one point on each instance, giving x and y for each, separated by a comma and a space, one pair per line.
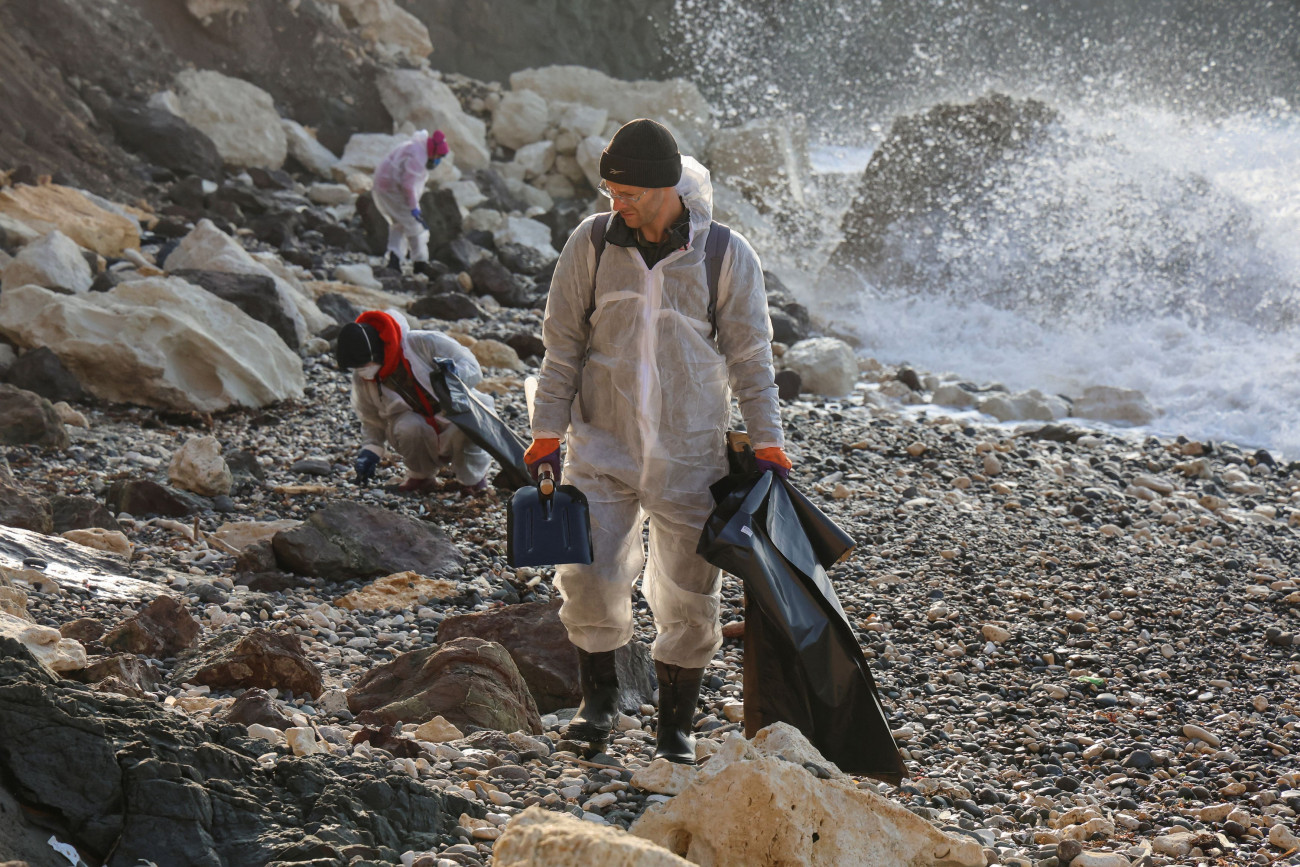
588, 159
1023, 405
664, 777
520, 118
266, 733
302, 740
995, 633
677, 103
1176, 844
199, 467
395, 32
542, 838
526, 233
239, 117
437, 730
762, 156
760, 809
952, 394
53, 262
1283, 838
207, 248
1100, 859
419, 99
1196, 732
826, 365
100, 539
15, 231
332, 701
536, 158
358, 275
240, 534
468, 195
158, 342
578, 120
331, 194
303, 147
494, 353
364, 152
46, 645
1121, 405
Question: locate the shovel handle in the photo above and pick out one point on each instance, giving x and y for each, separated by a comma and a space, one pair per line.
546, 480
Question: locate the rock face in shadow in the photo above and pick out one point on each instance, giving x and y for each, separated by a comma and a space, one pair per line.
163, 628
539, 645
467, 682
259, 659
351, 540
129, 780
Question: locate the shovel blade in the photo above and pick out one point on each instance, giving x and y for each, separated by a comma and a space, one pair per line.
548, 531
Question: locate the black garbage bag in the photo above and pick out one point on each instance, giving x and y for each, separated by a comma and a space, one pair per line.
465, 409
803, 665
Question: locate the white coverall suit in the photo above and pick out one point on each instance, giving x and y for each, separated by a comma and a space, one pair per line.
644, 394
399, 182
386, 417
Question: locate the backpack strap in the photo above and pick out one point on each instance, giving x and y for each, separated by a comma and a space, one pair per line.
714, 249
598, 227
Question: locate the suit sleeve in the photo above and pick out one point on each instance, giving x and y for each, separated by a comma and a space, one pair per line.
745, 338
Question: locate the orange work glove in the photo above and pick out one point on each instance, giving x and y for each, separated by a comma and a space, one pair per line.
543, 451
773, 458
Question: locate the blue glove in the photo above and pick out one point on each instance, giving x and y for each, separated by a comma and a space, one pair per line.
419, 218
365, 465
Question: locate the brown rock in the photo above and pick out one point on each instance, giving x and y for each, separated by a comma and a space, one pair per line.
255, 706
539, 645
23, 510
403, 590
163, 628
122, 669
352, 540
51, 206
83, 629
26, 418
260, 658
467, 681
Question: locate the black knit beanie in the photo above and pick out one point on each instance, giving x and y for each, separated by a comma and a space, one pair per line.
642, 153
358, 346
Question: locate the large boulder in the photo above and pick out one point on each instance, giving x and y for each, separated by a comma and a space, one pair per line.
264, 659
161, 629
240, 118
352, 540
207, 248
166, 139
158, 342
147, 497
540, 646
467, 682
48, 207
520, 118
44, 373
54, 262
543, 838
1117, 405
27, 418
258, 295
23, 509
1023, 405
762, 157
80, 513
677, 103
419, 98
365, 151
310, 153
826, 365
759, 807
395, 33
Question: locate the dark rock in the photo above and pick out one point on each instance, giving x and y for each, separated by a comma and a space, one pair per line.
526, 344
499, 197
311, 467
442, 215
188, 193
910, 378
373, 225
166, 139
271, 582
256, 707
105, 281
467, 681
538, 643
124, 668
270, 179
24, 510
255, 294
1068, 850
29, 419
41, 372
383, 738
80, 513
448, 306
258, 556
490, 277
785, 329
83, 629
244, 463
340, 308
351, 540
260, 658
126, 780
563, 219
163, 628
523, 260
145, 497
788, 384
278, 229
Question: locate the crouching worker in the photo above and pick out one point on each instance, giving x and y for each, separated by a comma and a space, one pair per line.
399, 183
390, 367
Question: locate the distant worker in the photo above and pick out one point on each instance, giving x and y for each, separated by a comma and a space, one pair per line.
390, 367
638, 376
399, 183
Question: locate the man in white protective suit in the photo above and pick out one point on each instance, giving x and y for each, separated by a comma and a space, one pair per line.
637, 379
399, 182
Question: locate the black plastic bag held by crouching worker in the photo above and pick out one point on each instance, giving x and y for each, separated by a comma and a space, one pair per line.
463, 408
803, 665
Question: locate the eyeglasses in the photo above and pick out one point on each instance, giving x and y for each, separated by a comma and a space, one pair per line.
605, 191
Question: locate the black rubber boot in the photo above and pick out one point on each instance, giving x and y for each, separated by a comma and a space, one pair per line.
679, 693
393, 263
595, 717
426, 269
